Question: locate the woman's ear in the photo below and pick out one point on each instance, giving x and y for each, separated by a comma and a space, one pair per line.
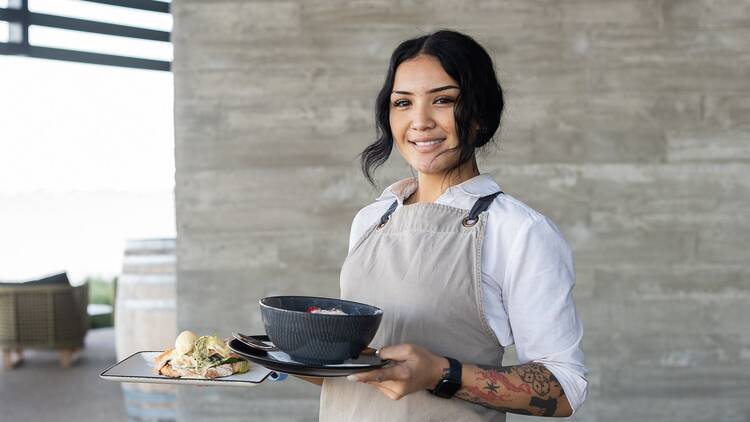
475, 126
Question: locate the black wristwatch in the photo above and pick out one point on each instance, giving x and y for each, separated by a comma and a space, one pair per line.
451, 381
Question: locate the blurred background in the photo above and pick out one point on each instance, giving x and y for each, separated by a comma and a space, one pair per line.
219, 164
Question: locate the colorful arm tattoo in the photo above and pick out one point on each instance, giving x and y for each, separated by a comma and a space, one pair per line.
528, 389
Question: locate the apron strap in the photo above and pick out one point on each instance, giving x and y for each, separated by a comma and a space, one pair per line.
387, 215
479, 207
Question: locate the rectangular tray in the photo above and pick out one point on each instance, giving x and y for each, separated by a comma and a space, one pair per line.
138, 368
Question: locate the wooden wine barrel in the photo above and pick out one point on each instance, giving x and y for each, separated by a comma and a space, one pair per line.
146, 320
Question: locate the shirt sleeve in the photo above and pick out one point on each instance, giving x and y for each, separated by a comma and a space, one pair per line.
359, 225
364, 219
538, 296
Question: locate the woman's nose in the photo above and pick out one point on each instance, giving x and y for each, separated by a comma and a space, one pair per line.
422, 119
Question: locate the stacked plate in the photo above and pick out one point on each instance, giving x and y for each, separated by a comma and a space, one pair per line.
259, 349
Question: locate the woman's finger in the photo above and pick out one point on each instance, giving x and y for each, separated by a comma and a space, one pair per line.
393, 373
387, 391
399, 352
377, 375
368, 352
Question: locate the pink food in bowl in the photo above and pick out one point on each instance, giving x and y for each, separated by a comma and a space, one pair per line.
332, 311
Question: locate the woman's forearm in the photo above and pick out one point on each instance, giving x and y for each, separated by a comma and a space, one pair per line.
528, 389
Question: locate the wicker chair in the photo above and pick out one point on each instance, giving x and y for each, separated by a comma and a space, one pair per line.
42, 317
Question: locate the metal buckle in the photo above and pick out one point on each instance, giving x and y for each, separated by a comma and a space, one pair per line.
469, 223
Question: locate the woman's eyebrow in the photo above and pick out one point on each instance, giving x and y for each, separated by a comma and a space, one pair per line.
442, 88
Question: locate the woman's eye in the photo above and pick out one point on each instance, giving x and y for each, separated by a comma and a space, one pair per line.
444, 100
400, 103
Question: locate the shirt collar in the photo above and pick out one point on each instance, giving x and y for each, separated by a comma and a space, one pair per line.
477, 186
400, 190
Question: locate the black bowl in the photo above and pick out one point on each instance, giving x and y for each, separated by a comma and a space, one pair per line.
319, 339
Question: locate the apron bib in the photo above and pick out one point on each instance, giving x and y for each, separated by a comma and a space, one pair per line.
421, 264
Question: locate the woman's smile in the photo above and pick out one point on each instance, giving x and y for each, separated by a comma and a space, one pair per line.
426, 145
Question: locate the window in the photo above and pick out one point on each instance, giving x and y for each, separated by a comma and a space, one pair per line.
127, 33
86, 162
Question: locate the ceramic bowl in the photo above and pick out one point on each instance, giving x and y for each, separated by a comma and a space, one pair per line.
316, 338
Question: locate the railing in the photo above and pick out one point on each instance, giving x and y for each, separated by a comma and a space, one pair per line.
19, 18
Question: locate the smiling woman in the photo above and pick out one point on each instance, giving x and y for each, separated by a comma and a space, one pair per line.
415, 251
441, 88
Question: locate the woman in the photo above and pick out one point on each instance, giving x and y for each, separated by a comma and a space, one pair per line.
460, 269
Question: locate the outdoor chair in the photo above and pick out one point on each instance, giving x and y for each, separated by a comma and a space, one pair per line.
43, 314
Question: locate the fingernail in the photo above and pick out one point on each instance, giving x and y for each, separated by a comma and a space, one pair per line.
352, 378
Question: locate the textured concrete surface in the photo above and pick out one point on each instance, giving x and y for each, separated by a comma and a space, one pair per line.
626, 123
40, 390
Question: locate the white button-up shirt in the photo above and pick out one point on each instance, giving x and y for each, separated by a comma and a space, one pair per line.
527, 277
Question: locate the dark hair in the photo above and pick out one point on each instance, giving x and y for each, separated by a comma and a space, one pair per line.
480, 98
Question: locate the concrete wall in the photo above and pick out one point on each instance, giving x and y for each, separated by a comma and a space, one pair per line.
627, 123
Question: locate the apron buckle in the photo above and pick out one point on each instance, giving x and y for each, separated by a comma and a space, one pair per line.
387, 216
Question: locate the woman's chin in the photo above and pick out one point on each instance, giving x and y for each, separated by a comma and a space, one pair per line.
430, 170
430, 164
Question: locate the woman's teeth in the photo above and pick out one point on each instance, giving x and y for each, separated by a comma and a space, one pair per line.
427, 143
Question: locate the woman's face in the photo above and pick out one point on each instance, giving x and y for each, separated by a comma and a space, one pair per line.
421, 114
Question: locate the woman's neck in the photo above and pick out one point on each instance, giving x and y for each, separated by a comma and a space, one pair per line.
432, 185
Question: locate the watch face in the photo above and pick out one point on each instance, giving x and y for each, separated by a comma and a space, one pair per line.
451, 382
446, 389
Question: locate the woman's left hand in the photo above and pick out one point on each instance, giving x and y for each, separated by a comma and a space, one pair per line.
415, 369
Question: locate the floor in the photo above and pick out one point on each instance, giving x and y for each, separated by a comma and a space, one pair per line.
40, 390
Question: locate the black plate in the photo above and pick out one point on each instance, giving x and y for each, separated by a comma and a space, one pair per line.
281, 362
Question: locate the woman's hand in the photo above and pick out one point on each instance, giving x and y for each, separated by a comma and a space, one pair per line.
415, 369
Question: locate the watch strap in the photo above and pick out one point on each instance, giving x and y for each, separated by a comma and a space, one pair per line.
451, 381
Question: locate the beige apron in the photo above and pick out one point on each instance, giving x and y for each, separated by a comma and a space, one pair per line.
422, 266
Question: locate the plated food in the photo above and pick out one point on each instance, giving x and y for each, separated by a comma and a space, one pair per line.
199, 357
